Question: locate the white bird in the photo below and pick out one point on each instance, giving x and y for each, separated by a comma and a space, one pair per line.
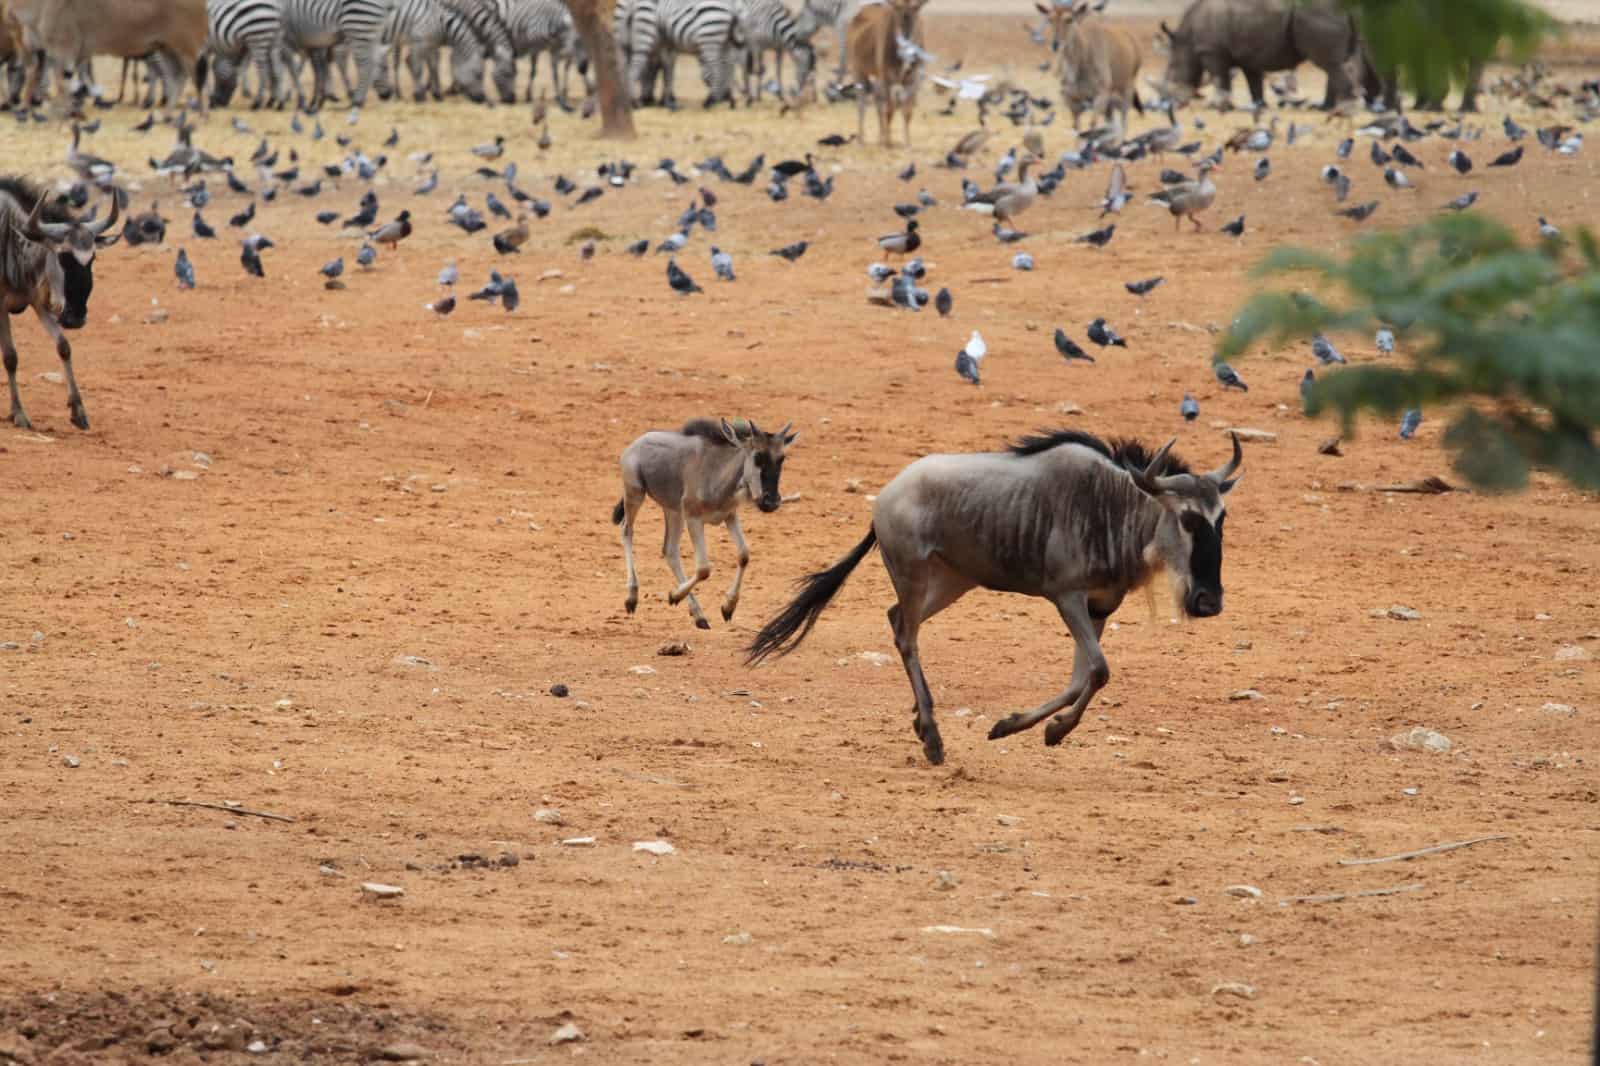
1396, 179
1546, 230
976, 348
1385, 341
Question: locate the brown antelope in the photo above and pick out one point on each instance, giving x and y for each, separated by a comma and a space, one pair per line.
885, 50
1099, 62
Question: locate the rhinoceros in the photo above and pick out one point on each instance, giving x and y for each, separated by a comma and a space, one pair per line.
1385, 86
1259, 36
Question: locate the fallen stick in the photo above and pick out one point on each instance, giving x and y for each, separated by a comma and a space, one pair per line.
1335, 897
225, 807
1436, 849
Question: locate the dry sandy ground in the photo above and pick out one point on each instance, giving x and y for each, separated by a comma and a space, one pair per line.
1565, 10
325, 554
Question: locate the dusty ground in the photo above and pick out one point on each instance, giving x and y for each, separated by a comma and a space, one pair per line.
350, 609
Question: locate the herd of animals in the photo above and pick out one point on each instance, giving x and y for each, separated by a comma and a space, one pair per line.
1075, 519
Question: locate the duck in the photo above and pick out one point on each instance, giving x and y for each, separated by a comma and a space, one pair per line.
1188, 199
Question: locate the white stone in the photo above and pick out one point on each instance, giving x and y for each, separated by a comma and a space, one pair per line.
1419, 739
579, 842
567, 1034
547, 815
1571, 651
1559, 708
737, 938
876, 658
1234, 988
956, 929
654, 847
382, 891
1246, 694
1243, 891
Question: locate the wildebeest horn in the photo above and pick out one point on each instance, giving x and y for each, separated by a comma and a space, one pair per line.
755, 431
1146, 478
43, 232
784, 432
1224, 472
99, 228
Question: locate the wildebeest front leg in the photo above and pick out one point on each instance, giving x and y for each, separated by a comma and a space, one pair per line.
1086, 630
1084, 653
8, 350
64, 350
671, 551
731, 601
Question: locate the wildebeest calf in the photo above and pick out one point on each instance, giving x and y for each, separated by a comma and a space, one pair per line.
699, 474
1066, 517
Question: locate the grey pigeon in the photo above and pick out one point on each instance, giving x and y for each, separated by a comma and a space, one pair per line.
1396, 179
1104, 335
1006, 235
1513, 131
333, 269
443, 306
1263, 168
366, 256
967, 367
1508, 159
915, 269
1360, 212
250, 254
1462, 202
722, 263
1547, 231
1409, 423
1385, 341
1142, 288
1325, 352
943, 302
1459, 161
1097, 238
509, 297
903, 292
202, 228
1379, 156
1343, 151
1189, 409
673, 243
680, 282
1228, 378
449, 275
1234, 228
792, 252
1022, 261
184, 269
880, 272
1070, 349
638, 247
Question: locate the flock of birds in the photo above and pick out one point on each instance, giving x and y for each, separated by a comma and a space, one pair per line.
1395, 149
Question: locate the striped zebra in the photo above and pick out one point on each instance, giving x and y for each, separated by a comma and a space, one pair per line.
622, 32
767, 25
538, 26
709, 28
315, 26
483, 18
239, 28
413, 33
815, 14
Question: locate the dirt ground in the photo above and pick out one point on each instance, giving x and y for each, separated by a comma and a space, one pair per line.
324, 554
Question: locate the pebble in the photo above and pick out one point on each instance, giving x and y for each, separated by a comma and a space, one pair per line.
1418, 739
1243, 891
642, 671
957, 929
1413, 791
737, 938
1186, 901
876, 658
547, 815
256, 1047
1246, 694
382, 891
69, 761
1559, 708
1295, 801
1401, 613
1571, 651
578, 842
401, 1052
1235, 988
1246, 433
1277, 776
1245, 940
567, 1034
9, 645
1008, 819
559, 691
673, 648
944, 880
654, 847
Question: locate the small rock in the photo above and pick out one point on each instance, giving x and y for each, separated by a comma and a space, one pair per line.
1412, 791
157, 1042
944, 881
1245, 940
1559, 708
1246, 433
413, 660
381, 891
1418, 739
404, 1052
9, 645
256, 1047
1571, 651
673, 648
1402, 613
1277, 776
642, 671
1186, 901
582, 705
157, 316
547, 815
1243, 891
654, 847
578, 842
559, 691
737, 938
853, 485
551, 274
957, 929
1008, 819
876, 658
1330, 447
567, 1034
1234, 988
1246, 694
69, 761
1295, 801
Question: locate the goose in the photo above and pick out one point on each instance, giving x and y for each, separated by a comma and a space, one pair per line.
1008, 199
87, 166
1190, 198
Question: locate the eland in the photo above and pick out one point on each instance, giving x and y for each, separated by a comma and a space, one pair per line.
1064, 516
699, 474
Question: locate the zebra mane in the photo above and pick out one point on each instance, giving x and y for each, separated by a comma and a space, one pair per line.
1123, 451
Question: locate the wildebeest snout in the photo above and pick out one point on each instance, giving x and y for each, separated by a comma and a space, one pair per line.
768, 504
1204, 603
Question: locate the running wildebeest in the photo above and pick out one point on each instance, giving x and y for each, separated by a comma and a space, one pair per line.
46, 263
699, 474
1066, 517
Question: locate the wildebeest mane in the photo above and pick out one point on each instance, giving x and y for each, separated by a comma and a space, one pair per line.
707, 429
1124, 451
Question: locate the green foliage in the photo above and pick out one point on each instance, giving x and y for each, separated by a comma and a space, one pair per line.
1507, 335
1433, 43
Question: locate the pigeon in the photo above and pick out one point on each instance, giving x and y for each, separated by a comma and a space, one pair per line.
970, 356
708, 197
722, 263
496, 208
1235, 228
673, 243
491, 151
903, 292
430, 183
1263, 168
1547, 231
1325, 352
392, 233
680, 282
791, 252
916, 269
1385, 341
1331, 174
512, 238
903, 243
1403, 156
564, 185
1459, 161
1396, 179
790, 167
1380, 158
366, 255
880, 272
449, 275
1189, 409
943, 302
492, 288
250, 255
1070, 348
1142, 288
593, 192
1307, 383
1228, 378
1097, 238
366, 213
1508, 159
1341, 189
510, 298
907, 210
184, 270
587, 248
327, 218
1022, 261
1409, 421
1104, 335
202, 228
333, 269
777, 192
834, 140
1513, 131
1006, 235
638, 247
909, 172
442, 306
1360, 212
1462, 202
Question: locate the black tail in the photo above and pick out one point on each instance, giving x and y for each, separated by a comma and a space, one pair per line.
1138, 105
617, 512
790, 626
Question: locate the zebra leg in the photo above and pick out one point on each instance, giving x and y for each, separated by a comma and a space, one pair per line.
8, 351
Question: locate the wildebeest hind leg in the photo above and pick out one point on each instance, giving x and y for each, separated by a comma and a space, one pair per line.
925, 587
670, 550
8, 350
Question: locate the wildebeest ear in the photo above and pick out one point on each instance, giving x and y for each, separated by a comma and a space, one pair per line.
728, 432
1167, 31
1044, 9
790, 438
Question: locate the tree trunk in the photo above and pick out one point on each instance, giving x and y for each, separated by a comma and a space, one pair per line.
593, 21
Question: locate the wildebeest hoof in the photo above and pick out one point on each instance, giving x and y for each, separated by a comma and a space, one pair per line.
701, 623
933, 747
631, 605
1003, 728
727, 613
1058, 729
20, 419
80, 419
